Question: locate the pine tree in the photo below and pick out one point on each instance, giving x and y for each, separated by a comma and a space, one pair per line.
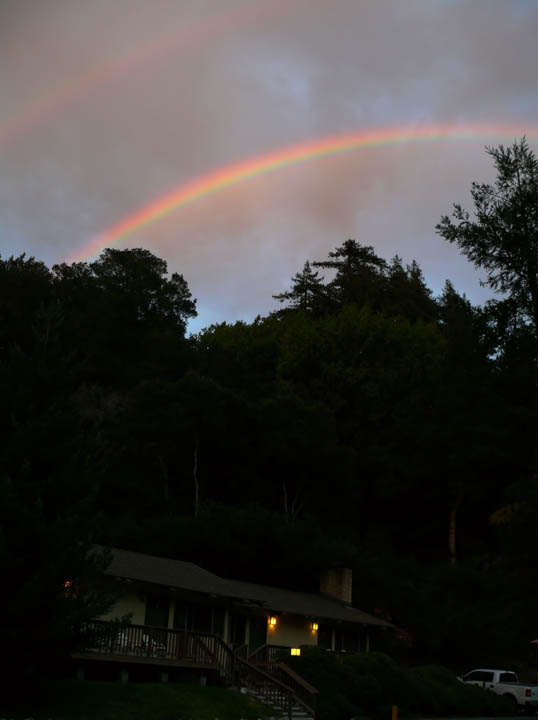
360, 274
308, 293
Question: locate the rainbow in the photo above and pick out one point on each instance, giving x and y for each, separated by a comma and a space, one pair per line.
216, 180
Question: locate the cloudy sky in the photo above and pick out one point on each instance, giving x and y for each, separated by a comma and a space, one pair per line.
106, 106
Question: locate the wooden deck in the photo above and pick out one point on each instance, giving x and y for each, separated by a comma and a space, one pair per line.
140, 660
113, 642
144, 645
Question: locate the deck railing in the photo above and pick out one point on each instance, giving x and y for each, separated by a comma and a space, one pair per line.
269, 655
281, 694
99, 636
303, 691
274, 682
242, 651
265, 687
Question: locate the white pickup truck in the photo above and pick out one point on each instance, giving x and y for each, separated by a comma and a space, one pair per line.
504, 682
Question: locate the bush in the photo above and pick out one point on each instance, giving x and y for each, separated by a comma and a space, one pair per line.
368, 684
331, 678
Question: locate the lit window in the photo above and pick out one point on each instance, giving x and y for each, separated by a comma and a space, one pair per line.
295, 651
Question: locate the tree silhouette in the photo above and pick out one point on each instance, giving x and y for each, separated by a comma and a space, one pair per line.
502, 238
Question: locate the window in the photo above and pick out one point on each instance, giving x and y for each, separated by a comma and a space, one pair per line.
351, 641
346, 640
325, 637
157, 608
180, 616
339, 640
258, 632
473, 676
508, 677
237, 629
479, 676
201, 618
218, 621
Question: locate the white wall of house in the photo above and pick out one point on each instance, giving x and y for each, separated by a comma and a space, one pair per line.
130, 602
292, 631
171, 614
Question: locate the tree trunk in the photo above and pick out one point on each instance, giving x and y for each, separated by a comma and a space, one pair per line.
166, 485
291, 511
452, 526
195, 478
452, 536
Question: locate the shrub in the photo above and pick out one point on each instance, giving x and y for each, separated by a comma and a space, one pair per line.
368, 684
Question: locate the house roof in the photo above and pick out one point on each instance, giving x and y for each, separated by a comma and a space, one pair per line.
301, 603
187, 576
164, 571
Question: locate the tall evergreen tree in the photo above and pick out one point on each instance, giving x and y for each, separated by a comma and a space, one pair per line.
360, 274
308, 293
407, 293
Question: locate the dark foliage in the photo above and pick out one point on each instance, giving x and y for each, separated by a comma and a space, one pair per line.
369, 684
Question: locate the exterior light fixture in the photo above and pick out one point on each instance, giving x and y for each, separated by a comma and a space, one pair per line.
272, 621
68, 589
295, 651
315, 627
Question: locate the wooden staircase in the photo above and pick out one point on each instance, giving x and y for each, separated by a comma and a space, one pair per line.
288, 695
282, 709
277, 686
273, 683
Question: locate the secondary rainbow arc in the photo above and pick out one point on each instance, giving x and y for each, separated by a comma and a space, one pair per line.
220, 178
189, 37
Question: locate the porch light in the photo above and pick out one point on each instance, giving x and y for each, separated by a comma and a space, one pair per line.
295, 651
315, 627
272, 621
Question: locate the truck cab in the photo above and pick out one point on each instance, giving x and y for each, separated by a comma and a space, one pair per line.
505, 682
489, 678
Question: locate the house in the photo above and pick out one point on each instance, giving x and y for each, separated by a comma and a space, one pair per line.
182, 616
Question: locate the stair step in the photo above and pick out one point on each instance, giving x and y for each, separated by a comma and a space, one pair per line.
297, 712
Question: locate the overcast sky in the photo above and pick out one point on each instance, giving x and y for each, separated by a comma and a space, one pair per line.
105, 106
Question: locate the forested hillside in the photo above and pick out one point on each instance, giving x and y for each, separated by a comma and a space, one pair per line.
364, 422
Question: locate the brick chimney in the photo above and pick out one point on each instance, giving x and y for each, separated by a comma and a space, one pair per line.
337, 583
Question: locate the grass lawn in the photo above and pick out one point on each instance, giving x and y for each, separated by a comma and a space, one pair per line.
91, 700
